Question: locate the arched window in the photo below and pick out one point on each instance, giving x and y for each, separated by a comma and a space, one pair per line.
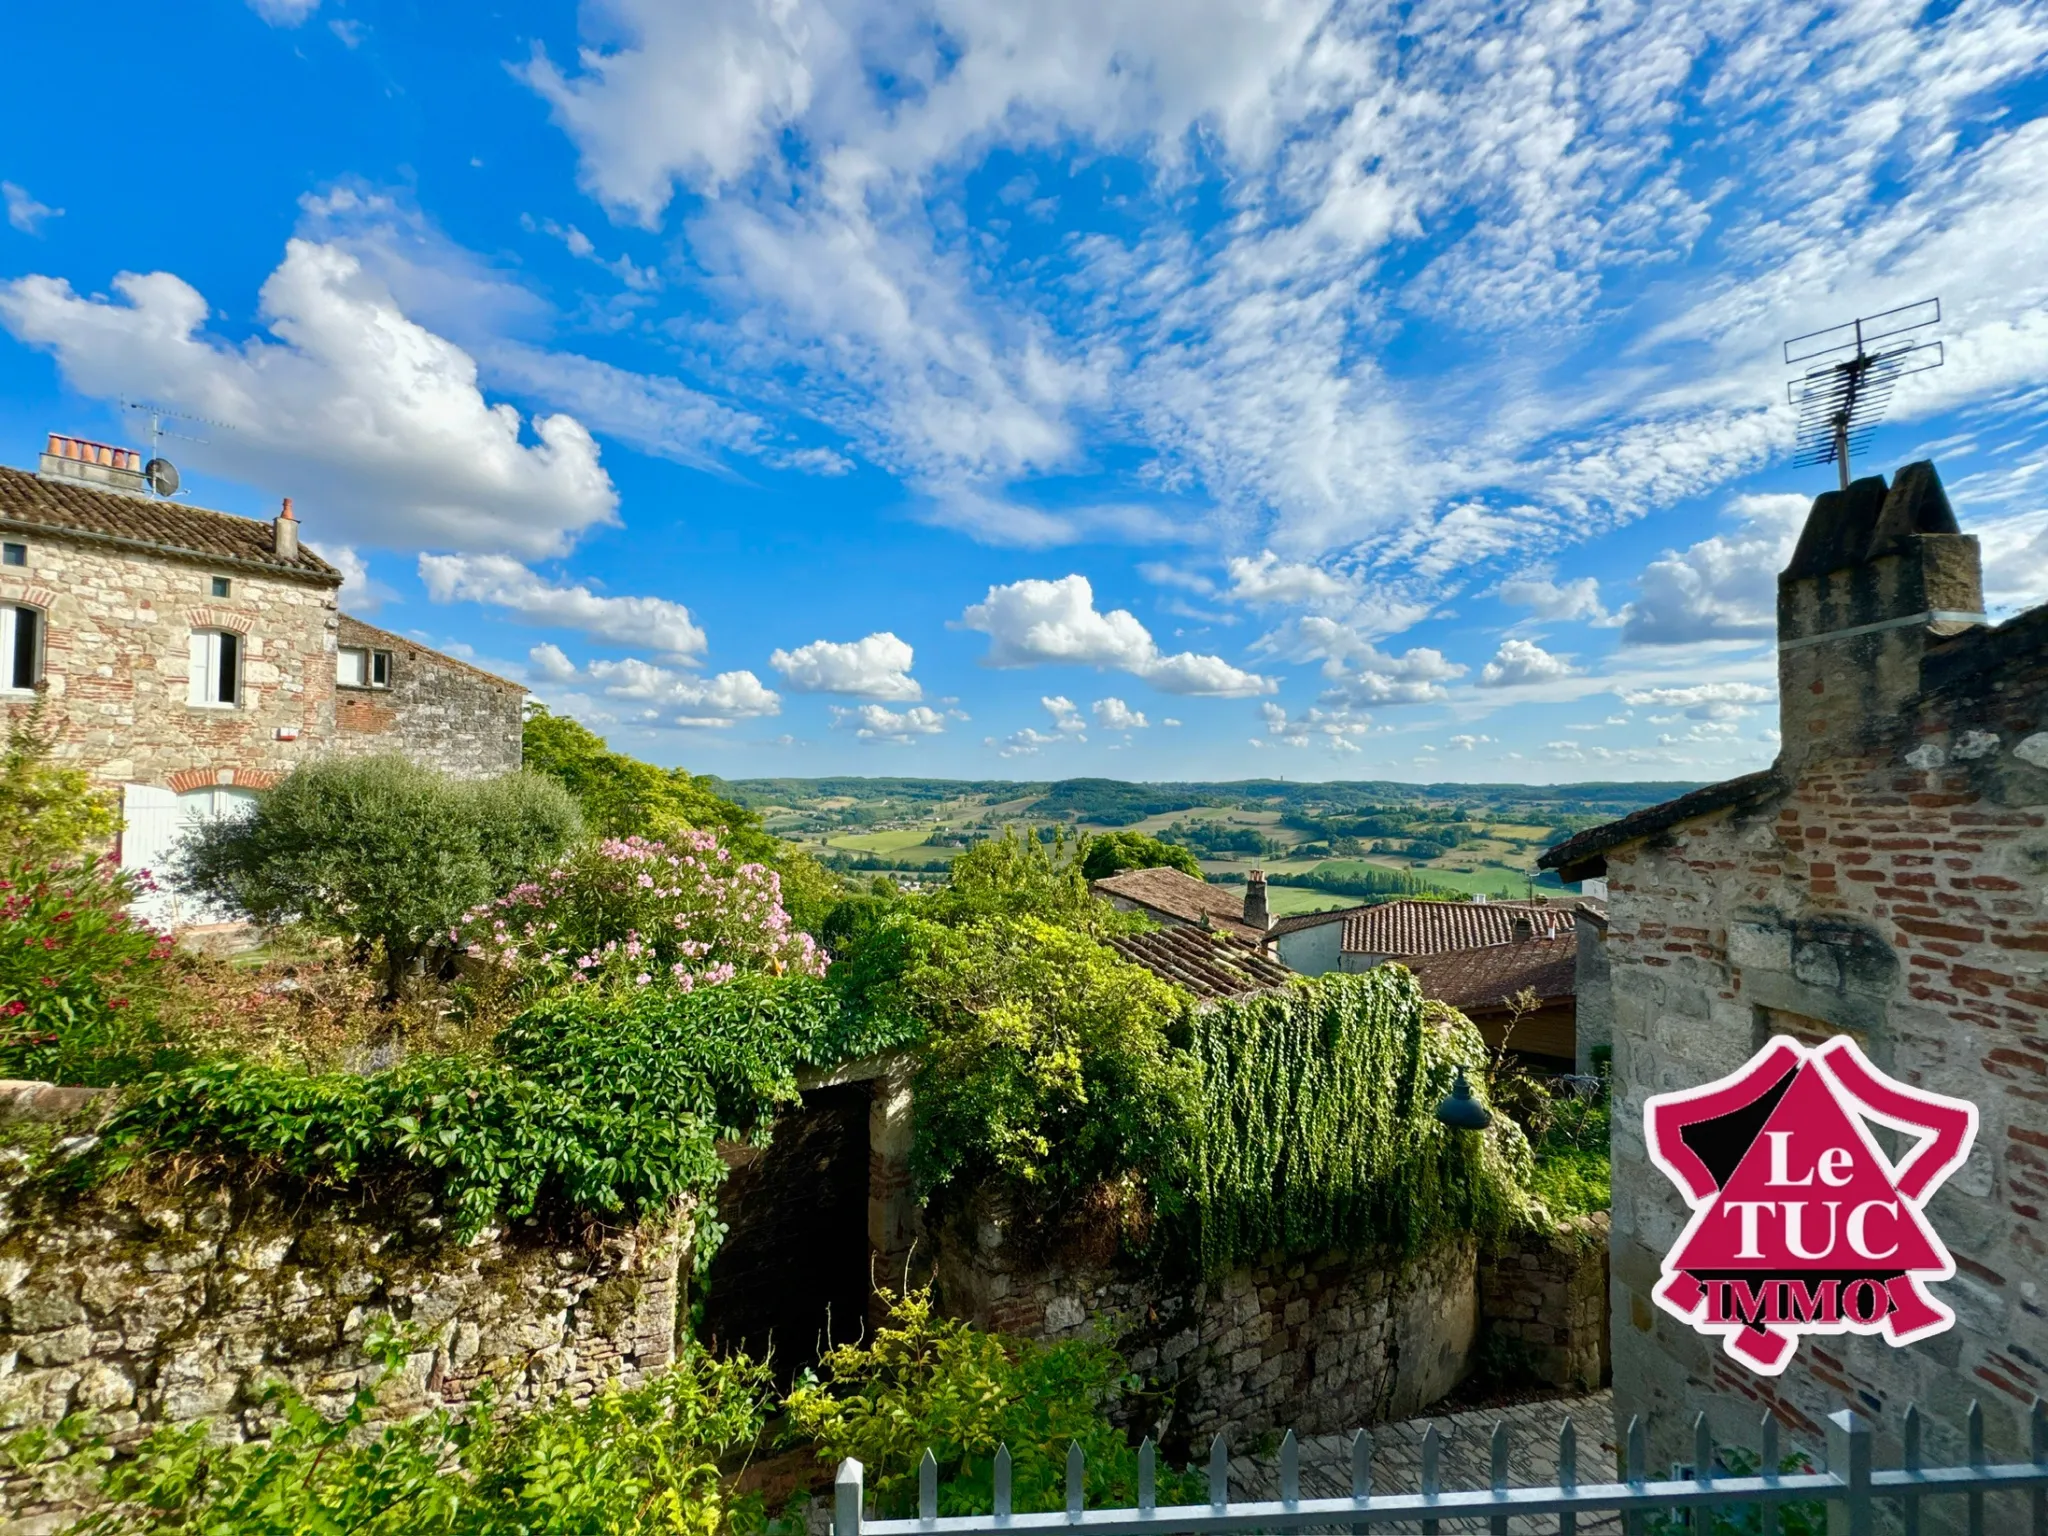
216, 678
21, 648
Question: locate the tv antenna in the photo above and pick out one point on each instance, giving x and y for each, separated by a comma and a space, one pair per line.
1842, 399
160, 474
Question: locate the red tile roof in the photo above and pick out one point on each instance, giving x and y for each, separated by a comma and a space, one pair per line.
30, 503
1181, 897
1208, 964
1414, 927
1474, 980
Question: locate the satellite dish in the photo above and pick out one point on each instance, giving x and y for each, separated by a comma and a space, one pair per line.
162, 476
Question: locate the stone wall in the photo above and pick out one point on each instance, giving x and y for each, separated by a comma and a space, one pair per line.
117, 653
1318, 1345
1888, 885
164, 1309
1547, 1297
436, 710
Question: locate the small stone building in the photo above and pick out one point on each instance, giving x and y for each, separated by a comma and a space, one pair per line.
194, 658
1887, 879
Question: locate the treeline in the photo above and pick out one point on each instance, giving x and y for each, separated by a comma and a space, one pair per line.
1367, 885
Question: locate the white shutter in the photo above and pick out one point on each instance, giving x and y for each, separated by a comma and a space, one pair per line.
9, 619
205, 659
348, 667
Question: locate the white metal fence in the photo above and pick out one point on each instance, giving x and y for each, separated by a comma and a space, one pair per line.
1852, 1488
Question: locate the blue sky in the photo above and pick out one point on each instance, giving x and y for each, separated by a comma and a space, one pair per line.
1148, 388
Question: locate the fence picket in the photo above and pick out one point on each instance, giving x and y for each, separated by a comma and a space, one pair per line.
1498, 1468
1148, 1476
1361, 1473
928, 1486
1638, 1471
1567, 1472
1852, 1512
2037, 1423
1767, 1468
847, 1499
1076, 1484
1290, 1469
1909, 1459
1976, 1438
1219, 1472
1432, 1444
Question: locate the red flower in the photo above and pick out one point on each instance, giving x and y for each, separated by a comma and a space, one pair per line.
48, 981
15, 1009
117, 1002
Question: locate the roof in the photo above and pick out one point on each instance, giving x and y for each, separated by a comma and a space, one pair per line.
1294, 922
141, 523
1414, 927
1175, 895
1208, 964
1474, 980
1585, 855
353, 631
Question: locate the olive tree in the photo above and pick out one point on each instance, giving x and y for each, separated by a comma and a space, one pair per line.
379, 851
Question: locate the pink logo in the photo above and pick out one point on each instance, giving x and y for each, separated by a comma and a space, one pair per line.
1800, 1222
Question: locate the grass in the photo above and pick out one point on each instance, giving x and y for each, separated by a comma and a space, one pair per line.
884, 842
1286, 900
1482, 881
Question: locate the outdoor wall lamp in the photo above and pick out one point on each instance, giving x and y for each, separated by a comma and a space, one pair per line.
1460, 1110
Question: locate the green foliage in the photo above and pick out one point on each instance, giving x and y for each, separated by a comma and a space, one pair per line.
1016, 876
379, 851
1796, 1517
623, 797
629, 1462
1110, 852
1047, 1063
1216, 837
79, 977
1318, 1124
1567, 1123
939, 1384
48, 814
1366, 882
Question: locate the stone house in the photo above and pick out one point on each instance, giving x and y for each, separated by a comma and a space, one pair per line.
1887, 879
193, 658
1174, 899
1493, 984
1359, 938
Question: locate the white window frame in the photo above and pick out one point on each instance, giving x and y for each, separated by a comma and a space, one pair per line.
216, 659
10, 631
370, 664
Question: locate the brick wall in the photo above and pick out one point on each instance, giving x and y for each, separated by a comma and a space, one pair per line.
117, 654
437, 710
1889, 886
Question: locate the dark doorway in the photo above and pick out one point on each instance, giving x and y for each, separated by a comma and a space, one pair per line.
791, 1278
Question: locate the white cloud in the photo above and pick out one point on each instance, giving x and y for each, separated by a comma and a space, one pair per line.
1360, 672
1066, 716
1722, 588
1333, 729
873, 722
877, 667
24, 212
1519, 662
284, 13
1161, 574
358, 592
373, 423
1113, 714
1024, 743
1169, 721
1701, 701
1551, 600
1270, 580
654, 622
1467, 742
717, 701
1035, 623
552, 662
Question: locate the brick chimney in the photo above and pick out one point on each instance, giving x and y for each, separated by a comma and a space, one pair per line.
285, 536
1879, 572
96, 464
1255, 901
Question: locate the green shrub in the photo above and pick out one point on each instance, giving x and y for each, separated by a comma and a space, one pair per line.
1013, 876
642, 1461
1048, 1063
48, 814
379, 851
926, 1383
79, 978
1111, 852
1318, 1125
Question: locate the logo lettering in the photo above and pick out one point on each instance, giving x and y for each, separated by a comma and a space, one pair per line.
1800, 1221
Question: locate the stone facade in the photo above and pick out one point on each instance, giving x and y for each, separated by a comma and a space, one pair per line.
1317, 1345
433, 708
1548, 1297
1884, 880
117, 654
168, 1308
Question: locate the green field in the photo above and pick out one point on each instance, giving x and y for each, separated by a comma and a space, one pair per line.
1286, 900
894, 841
1481, 881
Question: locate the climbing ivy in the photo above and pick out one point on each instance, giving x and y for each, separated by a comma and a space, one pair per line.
1318, 1124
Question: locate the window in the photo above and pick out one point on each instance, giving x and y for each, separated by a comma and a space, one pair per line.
355, 667
13, 554
21, 648
216, 668
221, 586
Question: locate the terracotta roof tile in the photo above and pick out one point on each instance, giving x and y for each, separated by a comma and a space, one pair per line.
137, 522
1208, 964
1414, 927
1585, 855
1173, 894
1486, 977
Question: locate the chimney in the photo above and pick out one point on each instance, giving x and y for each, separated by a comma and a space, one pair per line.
286, 531
1524, 929
96, 464
1880, 571
1255, 901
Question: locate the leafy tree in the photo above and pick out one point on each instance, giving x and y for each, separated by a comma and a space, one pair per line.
47, 812
379, 851
1048, 1063
621, 796
1015, 876
1112, 852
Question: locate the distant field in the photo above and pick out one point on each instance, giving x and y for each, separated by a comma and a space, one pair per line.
1286, 900
1480, 882
883, 842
